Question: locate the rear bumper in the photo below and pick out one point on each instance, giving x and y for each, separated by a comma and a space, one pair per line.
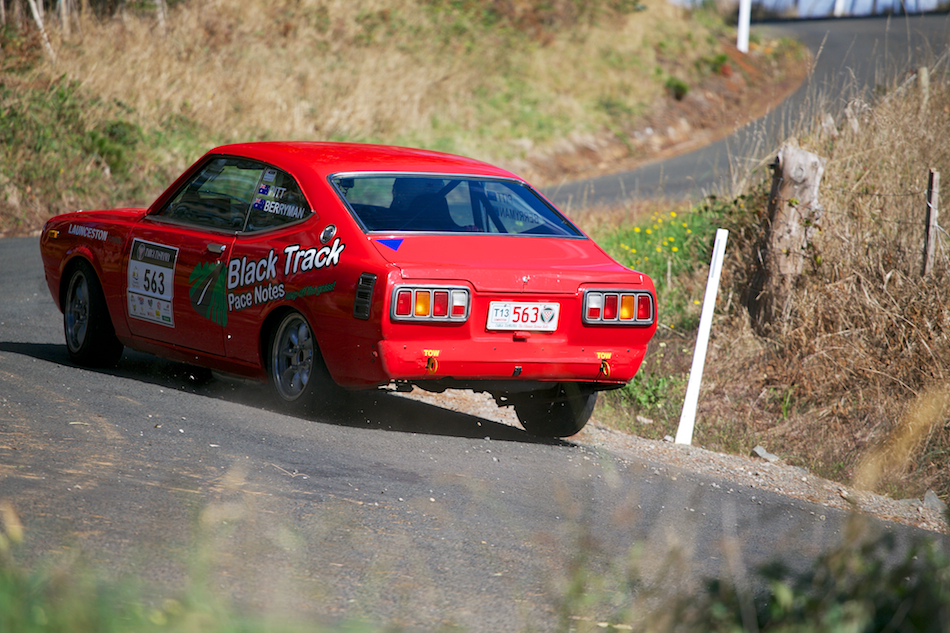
523, 360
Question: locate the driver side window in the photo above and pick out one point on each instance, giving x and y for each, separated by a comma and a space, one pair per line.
219, 196
237, 194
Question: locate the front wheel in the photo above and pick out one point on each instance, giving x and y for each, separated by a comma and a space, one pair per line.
558, 412
299, 378
90, 337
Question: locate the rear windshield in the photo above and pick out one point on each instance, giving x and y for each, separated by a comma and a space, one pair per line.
429, 204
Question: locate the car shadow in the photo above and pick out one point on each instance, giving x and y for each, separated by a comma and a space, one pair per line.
378, 410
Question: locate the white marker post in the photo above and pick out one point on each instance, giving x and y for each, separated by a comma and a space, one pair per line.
684, 434
745, 15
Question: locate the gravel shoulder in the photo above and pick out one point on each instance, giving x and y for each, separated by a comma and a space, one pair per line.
753, 472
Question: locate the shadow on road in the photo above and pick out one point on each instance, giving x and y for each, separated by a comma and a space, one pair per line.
374, 410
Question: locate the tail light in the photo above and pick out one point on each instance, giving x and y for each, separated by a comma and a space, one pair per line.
618, 307
440, 304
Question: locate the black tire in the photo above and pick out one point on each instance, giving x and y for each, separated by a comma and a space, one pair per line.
90, 337
299, 378
558, 412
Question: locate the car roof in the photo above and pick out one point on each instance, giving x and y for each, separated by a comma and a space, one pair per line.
331, 158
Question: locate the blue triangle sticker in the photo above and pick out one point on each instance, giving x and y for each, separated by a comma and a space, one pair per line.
393, 243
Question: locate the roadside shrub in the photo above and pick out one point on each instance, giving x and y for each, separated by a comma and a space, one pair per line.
857, 587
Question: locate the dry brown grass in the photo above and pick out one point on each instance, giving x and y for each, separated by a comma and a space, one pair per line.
397, 70
854, 384
858, 372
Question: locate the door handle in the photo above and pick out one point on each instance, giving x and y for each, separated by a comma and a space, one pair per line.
217, 249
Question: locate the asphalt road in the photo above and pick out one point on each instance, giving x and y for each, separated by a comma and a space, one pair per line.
397, 513
854, 58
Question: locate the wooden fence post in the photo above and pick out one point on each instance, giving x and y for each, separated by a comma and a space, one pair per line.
930, 240
794, 212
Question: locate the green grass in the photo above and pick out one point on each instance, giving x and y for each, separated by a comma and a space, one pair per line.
670, 246
53, 157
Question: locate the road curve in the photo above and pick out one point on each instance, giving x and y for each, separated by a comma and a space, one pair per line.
398, 513
850, 54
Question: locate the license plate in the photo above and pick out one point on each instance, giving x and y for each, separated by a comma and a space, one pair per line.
515, 315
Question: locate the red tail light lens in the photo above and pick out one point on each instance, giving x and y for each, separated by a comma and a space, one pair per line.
440, 303
644, 308
403, 303
610, 307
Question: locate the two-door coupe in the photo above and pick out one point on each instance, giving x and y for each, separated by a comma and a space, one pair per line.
316, 266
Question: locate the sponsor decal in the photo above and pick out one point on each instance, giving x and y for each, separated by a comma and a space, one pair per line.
269, 175
310, 291
88, 232
251, 282
304, 259
151, 282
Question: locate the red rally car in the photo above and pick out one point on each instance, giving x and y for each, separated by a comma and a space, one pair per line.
316, 266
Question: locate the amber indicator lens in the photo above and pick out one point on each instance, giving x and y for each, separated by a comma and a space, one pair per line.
628, 307
423, 299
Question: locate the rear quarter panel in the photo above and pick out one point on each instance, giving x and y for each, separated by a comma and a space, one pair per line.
99, 237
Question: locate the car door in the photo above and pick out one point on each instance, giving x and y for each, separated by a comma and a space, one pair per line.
177, 264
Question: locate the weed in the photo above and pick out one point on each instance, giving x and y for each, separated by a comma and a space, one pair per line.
677, 87
854, 587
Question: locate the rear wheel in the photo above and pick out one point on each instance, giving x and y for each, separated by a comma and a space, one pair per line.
299, 377
90, 337
558, 412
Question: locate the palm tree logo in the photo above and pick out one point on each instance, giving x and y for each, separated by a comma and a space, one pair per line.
207, 292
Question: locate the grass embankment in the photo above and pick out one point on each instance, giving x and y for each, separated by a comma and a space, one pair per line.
855, 384
544, 88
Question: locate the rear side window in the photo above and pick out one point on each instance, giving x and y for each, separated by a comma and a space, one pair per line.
236, 194
429, 204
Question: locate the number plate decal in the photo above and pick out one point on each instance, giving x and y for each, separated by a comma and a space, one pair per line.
151, 283
516, 315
